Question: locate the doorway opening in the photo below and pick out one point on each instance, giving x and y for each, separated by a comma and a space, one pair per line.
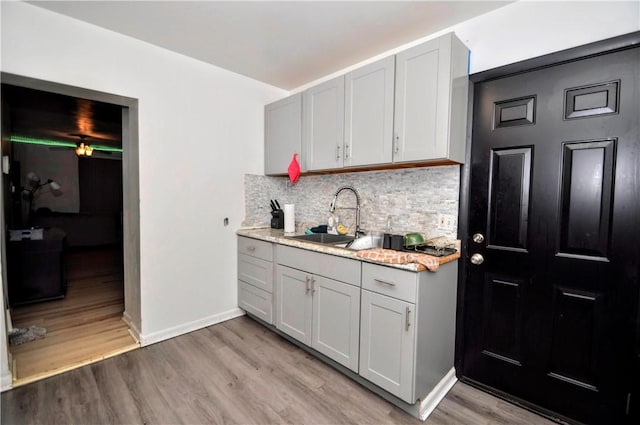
71, 252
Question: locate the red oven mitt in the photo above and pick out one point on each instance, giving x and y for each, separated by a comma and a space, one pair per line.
294, 169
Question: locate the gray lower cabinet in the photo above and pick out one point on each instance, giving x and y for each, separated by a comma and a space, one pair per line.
318, 302
393, 327
407, 328
336, 320
294, 303
255, 278
387, 340
319, 312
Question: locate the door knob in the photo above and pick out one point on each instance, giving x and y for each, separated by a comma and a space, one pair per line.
477, 259
478, 238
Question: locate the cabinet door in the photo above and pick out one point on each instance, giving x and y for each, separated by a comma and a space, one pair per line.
387, 340
282, 134
422, 102
336, 320
369, 114
323, 125
294, 303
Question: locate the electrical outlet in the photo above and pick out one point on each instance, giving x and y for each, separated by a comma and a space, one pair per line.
447, 222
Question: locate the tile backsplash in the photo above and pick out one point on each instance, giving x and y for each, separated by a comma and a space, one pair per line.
413, 198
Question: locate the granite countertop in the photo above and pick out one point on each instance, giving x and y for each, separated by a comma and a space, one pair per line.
277, 236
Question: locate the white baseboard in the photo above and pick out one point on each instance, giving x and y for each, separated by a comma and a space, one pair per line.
152, 338
437, 394
6, 382
135, 332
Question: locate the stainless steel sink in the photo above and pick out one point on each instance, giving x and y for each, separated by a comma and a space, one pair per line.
342, 241
324, 238
365, 242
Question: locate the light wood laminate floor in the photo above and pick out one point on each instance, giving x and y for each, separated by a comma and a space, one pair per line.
84, 327
235, 372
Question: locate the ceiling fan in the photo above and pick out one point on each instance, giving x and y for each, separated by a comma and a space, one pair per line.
81, 147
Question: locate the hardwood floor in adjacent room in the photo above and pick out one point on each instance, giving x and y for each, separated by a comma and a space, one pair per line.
84, 327
233, 372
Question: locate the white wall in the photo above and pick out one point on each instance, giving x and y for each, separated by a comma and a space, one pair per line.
200, 131
527, 29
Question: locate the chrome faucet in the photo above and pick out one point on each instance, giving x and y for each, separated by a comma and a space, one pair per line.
358, 232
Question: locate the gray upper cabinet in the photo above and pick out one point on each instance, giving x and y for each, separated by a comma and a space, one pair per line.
369, 114
283, 134
410, 107
323, 125
431, 101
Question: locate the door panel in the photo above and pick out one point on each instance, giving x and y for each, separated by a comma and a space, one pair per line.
502, 315
336, 320
586, 203
323, 125
509, 192
368, 127
293, 315
387, 344
555, 189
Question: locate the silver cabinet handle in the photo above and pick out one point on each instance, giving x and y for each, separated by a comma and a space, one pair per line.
308, 285
478, 238
251, 248
408, 312
346, 151
397, 143
337, 152
313, 286
385, 282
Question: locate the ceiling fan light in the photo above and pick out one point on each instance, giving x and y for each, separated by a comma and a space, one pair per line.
88, 150
80, 150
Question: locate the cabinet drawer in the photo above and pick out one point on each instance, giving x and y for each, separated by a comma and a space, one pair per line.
338, 268
255, 248
255, 301
395, 283
256, 272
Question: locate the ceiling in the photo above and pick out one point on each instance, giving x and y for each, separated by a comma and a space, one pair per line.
42, 115
285, 44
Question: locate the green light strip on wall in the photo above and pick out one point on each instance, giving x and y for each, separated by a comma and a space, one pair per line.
45, 142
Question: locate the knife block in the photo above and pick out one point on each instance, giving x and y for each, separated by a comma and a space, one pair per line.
277, 219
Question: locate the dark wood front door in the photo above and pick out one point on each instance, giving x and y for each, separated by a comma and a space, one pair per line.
554, 193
